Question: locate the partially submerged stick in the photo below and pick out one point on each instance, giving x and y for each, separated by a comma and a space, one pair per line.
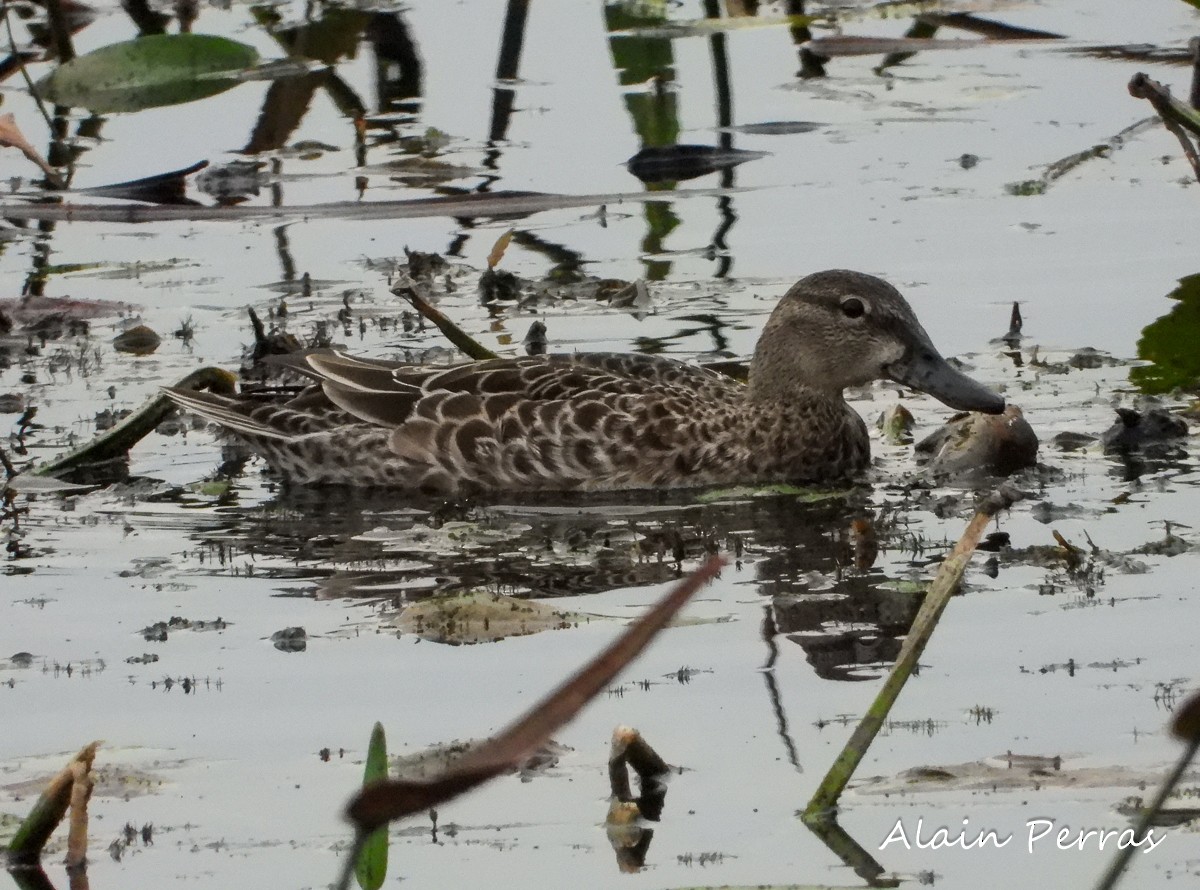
26, 846
944, 586
385, 801
1186, 726
456, 335
1062, 166
117, 441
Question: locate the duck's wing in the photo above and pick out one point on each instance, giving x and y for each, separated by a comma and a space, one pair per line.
594, 441
388, 393
563, 422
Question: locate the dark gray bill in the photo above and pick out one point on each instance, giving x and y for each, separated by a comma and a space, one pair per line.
927, 371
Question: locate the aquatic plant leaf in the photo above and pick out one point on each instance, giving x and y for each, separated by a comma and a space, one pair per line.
1169, 344
371, 868
774, 128
25, 483
808, 495
160, 188
671, 163
148, 72
498, 249
394, 799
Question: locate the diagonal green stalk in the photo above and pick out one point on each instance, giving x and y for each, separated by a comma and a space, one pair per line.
945, 585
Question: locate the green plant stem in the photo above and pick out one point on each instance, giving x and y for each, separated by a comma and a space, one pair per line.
117, 441
945, 584
25, 849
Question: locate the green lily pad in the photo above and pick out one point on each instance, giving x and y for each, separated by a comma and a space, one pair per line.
161, 69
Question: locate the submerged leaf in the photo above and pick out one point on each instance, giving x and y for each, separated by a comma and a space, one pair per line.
160, 69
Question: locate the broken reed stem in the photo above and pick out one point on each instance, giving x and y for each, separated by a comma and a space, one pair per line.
629, 749
77, 831
1194, 95
456, 335
1176, 116
27, 844
1185, 726
945, 585
117, 441
1117, 866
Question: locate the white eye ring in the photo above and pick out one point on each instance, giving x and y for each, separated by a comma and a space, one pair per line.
854, 307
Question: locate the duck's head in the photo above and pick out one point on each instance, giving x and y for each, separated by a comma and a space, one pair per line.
840, 328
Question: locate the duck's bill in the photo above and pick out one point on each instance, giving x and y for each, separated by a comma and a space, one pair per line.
927, 371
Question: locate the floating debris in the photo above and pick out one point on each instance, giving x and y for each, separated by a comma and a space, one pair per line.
1155, 428
139, 340
976, 443
290, 639
477, 617
896, 424
535, 341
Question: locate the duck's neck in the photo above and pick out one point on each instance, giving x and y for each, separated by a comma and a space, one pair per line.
781, 372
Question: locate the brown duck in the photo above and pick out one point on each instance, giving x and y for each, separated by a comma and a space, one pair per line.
605, 421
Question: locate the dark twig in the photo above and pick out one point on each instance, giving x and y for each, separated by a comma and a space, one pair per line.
1185, 726
456, 335
12, 44
1176, 116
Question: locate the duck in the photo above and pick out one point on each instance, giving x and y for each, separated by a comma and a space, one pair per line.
604, 421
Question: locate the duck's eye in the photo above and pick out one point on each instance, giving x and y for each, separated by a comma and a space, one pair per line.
853, 307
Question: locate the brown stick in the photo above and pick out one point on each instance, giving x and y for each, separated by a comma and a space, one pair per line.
1176, 116
391, 799
456, 335
81, 792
